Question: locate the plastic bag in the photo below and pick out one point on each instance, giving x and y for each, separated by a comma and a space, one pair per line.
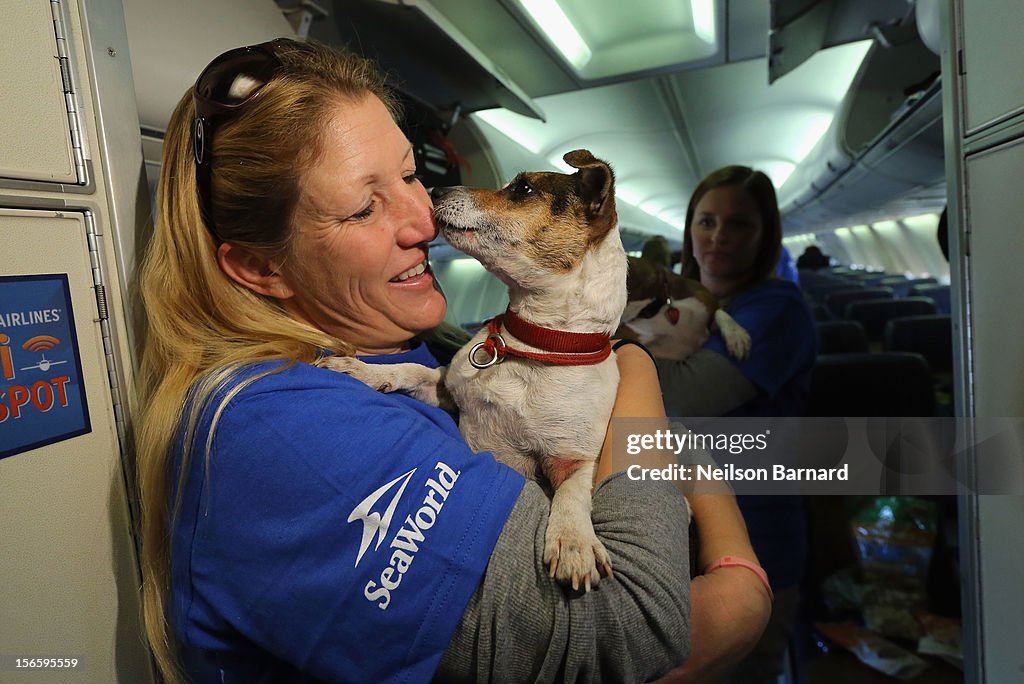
894, 537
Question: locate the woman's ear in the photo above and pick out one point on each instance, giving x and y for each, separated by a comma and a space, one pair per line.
253, 270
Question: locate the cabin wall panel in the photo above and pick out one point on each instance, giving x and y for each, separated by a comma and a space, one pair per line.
995, 206
990, 100
71, 584
35, 133
983, 87
67, 566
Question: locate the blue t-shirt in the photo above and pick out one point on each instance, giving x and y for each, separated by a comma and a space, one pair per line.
337, 533
783, 349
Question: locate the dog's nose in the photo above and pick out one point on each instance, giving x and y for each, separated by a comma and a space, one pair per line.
438, 193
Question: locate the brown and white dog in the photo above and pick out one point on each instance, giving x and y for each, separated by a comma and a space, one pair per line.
536, 386
671, 315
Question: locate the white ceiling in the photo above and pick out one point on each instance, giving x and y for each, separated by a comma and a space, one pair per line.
663, 134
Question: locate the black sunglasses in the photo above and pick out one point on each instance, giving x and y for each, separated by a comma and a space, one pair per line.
228, 83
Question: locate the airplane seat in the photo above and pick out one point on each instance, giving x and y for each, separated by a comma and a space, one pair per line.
901, 286
871, 278
819, 291
874, 314
812, 275
866, 384
841, 337
838, 300
820, 311
839, 270
810, 278
937, 292
930, 336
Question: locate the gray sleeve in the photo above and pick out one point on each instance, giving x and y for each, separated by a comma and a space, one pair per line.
706, 384
522, 626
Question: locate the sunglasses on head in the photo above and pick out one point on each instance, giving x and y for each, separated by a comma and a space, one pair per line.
228, 83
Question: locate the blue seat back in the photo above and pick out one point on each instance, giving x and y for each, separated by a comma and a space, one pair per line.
841, 337
838, 300
929, 336
894, 384
874, 314
937, 293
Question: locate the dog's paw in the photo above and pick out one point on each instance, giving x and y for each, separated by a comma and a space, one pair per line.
369, 374
737, 340
575, 556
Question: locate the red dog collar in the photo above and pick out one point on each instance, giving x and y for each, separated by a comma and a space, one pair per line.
560, 347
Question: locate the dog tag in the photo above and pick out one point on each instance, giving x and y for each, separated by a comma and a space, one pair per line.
672, 313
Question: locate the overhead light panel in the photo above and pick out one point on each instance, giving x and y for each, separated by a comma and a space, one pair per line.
553, 22
778, 170
703, 12
600, 39
519, 129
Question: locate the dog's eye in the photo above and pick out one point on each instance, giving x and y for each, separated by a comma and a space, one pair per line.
522, 188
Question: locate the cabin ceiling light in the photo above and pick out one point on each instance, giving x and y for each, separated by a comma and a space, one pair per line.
527, 133
609, 38
703, 12
551, 19
778, 170
673, 220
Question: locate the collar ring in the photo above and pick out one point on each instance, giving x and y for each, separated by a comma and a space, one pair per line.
494, 345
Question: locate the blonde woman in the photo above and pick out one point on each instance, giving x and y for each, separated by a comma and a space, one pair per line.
299, 526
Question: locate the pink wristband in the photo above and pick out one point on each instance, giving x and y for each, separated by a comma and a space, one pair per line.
734, 562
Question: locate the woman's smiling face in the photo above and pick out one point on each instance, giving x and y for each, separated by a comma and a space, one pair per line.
357, 268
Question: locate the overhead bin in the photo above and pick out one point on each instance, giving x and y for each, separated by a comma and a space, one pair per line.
171, 42
883, 151
436, 62
800, 28
40, 137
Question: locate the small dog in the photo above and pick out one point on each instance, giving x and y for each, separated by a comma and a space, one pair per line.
671, 315
536, 386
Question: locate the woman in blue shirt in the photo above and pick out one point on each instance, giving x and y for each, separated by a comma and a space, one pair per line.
301, 527
731, 245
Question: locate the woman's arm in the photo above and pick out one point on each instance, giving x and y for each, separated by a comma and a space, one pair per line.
712, 383
729, 607
705, 384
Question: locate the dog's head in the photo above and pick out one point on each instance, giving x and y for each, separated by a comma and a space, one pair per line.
541, 225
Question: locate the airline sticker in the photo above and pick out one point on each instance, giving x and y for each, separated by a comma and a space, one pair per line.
42, 395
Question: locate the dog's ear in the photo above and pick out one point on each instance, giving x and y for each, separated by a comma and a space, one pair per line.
595, 185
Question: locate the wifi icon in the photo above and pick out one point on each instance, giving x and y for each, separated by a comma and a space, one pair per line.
41, 343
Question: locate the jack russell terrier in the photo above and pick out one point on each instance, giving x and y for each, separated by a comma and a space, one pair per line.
671, 315
553, 239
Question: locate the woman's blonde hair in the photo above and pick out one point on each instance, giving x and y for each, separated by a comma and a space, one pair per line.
202, 326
